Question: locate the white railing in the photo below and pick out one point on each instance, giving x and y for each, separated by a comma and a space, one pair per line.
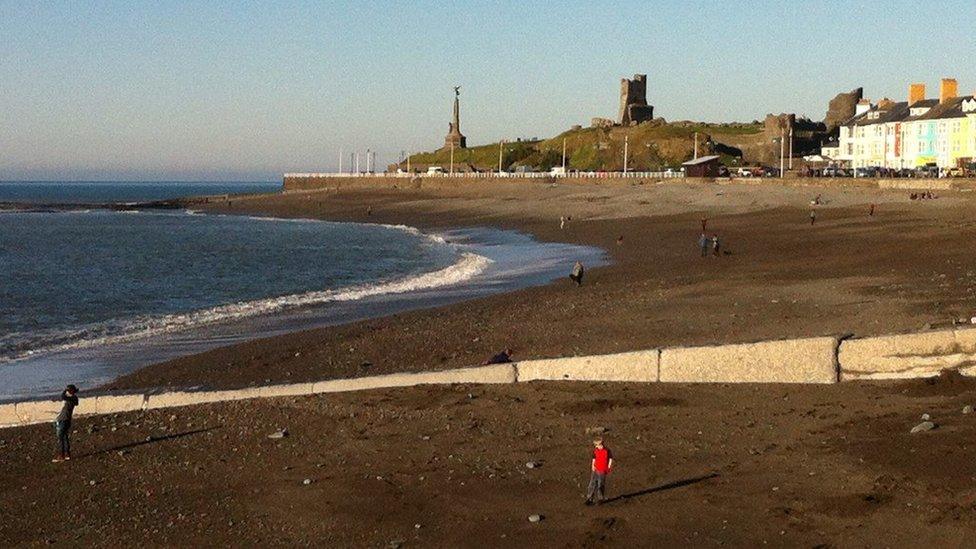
488, 175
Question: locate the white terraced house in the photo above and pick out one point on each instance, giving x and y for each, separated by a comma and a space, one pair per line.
914, 133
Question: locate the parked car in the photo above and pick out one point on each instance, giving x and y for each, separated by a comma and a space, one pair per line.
832, 171
866, 171
956, 172
435, 170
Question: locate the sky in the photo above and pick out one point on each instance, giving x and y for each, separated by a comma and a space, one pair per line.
140, 90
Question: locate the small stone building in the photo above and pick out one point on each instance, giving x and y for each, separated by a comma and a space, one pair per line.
704, 166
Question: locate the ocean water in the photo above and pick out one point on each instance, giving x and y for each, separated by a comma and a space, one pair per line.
88, 294
75, 278
105, 192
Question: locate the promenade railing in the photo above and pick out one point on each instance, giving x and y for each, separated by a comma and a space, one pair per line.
493, 175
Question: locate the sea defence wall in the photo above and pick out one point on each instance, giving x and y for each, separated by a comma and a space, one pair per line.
809, 360
310, 182
909, 356
812, 360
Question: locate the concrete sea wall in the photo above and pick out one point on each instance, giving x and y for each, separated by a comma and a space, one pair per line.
909, 355
790, 361
808, 360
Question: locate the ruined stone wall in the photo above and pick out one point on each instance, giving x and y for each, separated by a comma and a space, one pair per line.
842, 107
633, 101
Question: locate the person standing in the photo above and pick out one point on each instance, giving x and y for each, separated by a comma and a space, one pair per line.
62, 424
562, 222
813, 217
703, 242
577, 274
600, 467
716, 245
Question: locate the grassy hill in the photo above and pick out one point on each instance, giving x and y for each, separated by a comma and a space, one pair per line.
651, 146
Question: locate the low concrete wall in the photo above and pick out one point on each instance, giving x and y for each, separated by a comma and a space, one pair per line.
920, 184
295, 389
638, 366
40, 411
500, 373
171, 400
8, 415
908, 355
811, 360
113, 404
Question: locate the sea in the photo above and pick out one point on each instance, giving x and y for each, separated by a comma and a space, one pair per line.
89, 293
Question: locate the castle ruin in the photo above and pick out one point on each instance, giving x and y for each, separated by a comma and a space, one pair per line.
633, 101
842, 107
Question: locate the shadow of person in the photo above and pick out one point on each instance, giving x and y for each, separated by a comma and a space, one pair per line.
662, 488
149, 440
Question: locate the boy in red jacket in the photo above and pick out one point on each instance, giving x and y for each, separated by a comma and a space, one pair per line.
600, 467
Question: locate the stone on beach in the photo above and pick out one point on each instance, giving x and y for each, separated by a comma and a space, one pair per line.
924, 426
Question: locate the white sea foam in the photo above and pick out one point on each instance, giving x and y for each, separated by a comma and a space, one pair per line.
467, 267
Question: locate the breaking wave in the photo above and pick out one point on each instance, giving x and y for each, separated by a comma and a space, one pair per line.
21, 344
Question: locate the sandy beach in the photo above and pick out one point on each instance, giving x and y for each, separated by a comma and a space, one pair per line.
902, 269
699, 465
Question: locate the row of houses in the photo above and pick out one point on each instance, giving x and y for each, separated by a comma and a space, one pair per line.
915, 133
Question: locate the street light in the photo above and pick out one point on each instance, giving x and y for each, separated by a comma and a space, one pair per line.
626, 147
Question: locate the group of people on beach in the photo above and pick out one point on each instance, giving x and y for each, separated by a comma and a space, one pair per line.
707, 243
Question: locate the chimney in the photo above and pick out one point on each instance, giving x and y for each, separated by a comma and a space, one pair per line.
948, 89
885, 104
916, 93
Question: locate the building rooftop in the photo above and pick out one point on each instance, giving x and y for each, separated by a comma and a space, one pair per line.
950, 109
702, 160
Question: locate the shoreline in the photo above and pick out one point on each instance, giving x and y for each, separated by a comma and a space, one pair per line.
484, 264
657, 292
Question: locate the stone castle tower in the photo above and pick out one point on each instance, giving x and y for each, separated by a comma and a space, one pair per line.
633, 101
454, 137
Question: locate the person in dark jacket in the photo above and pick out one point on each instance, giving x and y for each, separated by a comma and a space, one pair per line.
503, 357
577, 274
704, 242
62, 424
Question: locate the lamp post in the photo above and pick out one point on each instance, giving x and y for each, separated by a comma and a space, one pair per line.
696, 145
367, 160
791, 148
452, 157
564, 156
782, 151
626, 147
501, 145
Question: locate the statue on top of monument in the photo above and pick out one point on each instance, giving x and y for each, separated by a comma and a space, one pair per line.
457, 91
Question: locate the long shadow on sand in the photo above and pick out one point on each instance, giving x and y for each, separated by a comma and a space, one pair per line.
149, 440
661, 488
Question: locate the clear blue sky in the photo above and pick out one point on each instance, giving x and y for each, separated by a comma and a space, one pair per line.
210, 90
